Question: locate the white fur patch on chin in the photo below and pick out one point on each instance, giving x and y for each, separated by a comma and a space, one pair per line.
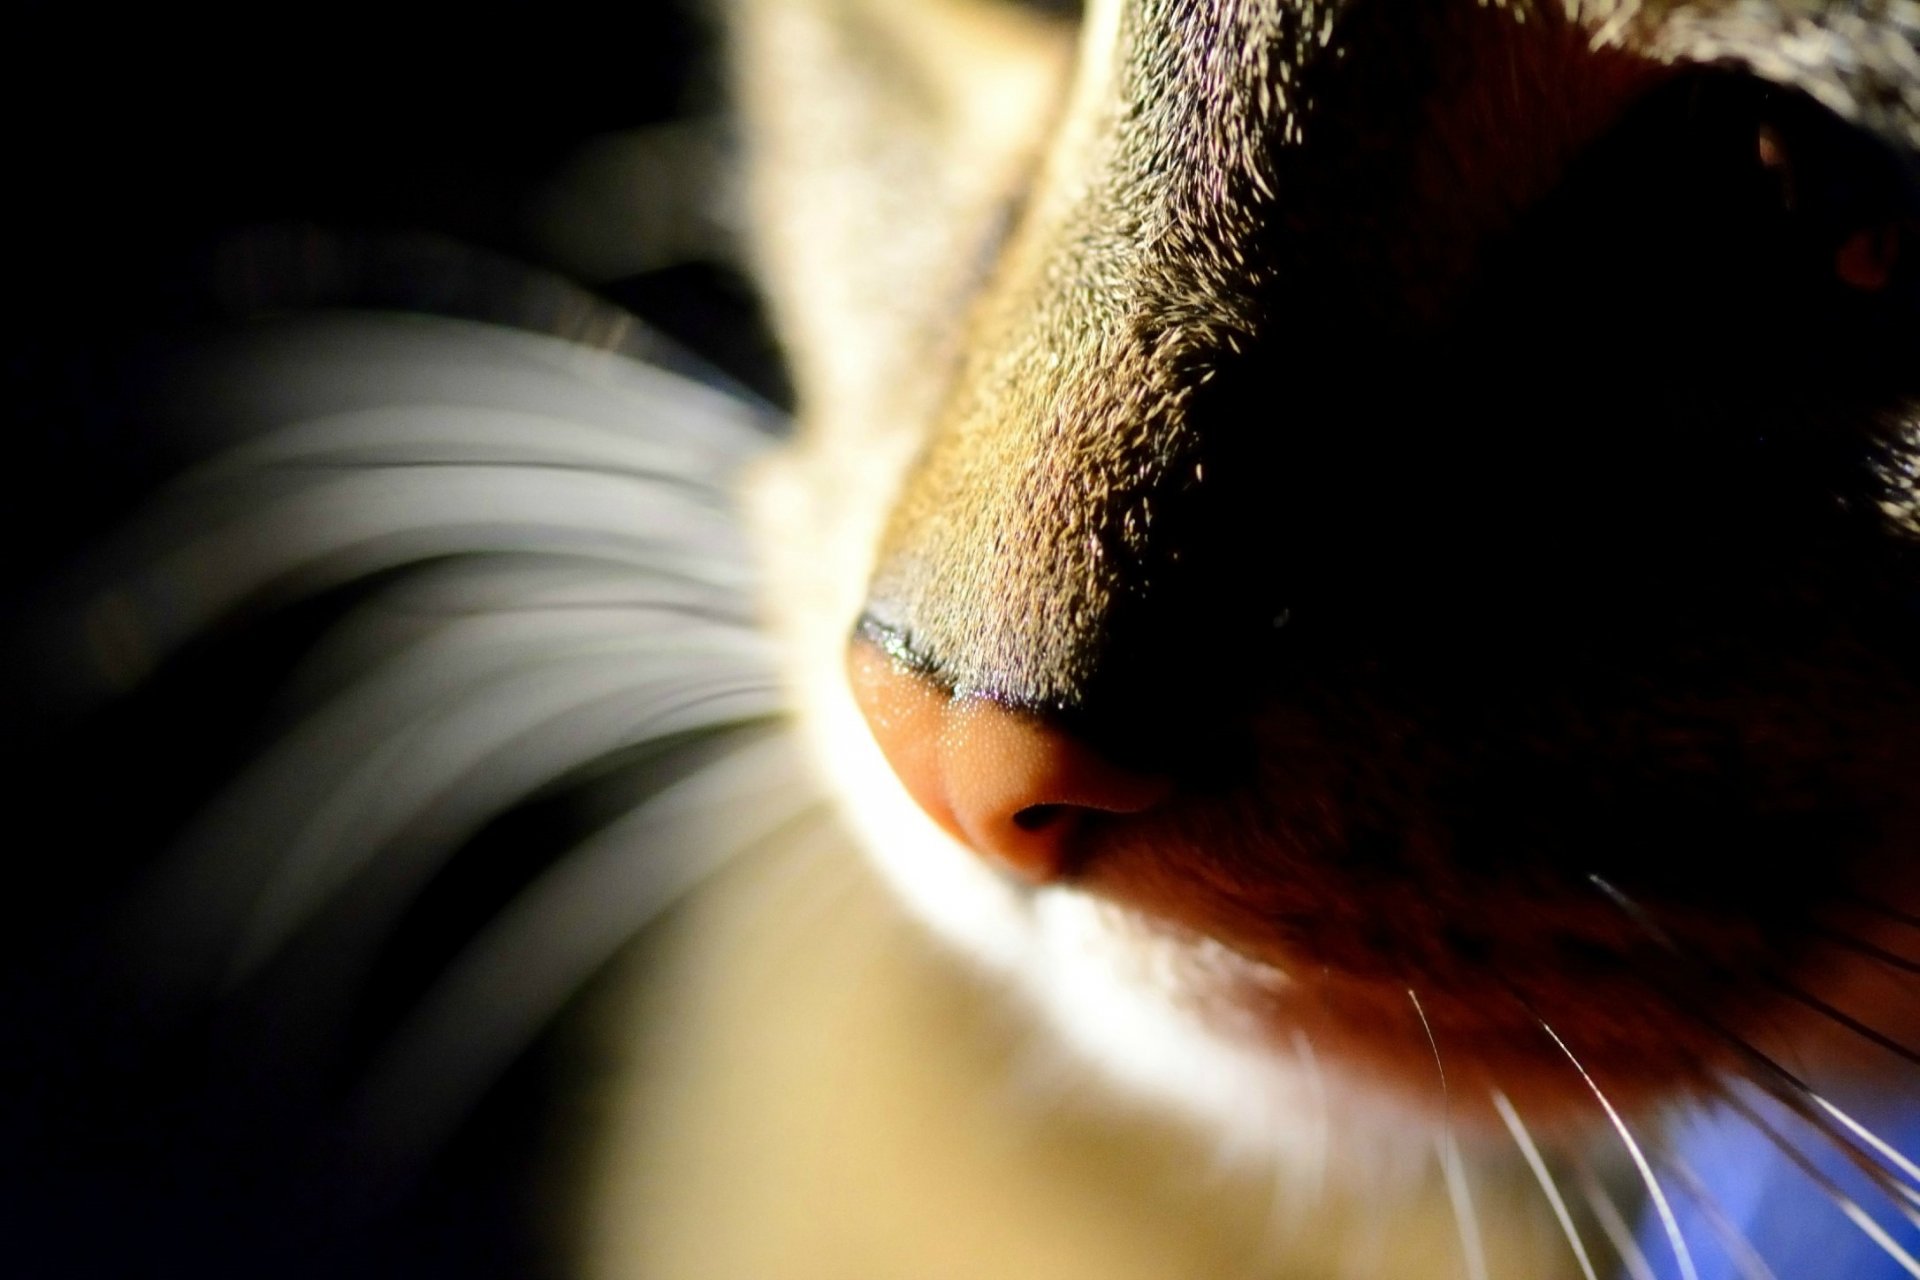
1115, 988
1119, 991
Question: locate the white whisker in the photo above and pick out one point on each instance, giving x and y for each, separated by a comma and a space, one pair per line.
1820, 1115
390, 441
1544, 1176
1733, 1241
1794, 1093
1846, 1204
1472, 1249
1635, 912
1667, 1221
1614, 1226
1886, 1150
470, 764
1446, 1096
558, 932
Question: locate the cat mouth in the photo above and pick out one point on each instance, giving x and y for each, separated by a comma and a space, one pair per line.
1554, 991
1545, 899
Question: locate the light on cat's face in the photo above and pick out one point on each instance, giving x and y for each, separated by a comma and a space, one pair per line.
1551, 413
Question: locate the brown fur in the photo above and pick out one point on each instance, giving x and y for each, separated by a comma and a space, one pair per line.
1285, 401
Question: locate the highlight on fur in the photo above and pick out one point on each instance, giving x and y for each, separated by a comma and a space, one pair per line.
533, 590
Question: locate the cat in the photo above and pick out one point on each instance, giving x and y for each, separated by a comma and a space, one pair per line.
1296, 573
1353, 565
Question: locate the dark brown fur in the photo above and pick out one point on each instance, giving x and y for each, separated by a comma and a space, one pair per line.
1427, 432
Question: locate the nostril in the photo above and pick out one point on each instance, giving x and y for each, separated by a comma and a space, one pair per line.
1035, 817
1014, 787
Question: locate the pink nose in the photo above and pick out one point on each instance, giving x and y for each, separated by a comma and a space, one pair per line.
1010, 786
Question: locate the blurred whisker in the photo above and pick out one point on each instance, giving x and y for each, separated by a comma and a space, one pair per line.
400, 443
1733, 1242
1820, 1114
1859, 1027
1861, 946
1614, 1226
1682, 1256
476, 761
1466, 1217
1549, 1187
514, 978
1846, 1204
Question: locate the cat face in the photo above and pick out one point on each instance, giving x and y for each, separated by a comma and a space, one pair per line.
1387, 530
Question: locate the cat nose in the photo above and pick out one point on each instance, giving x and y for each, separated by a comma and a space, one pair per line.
1011, 786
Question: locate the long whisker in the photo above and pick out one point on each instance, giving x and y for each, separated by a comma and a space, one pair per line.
1667, 1221
1886, 1149
1544, 1176
1635, 912
325, 858
1820, 1113
1860, 946
1446, 1097
1465, 1216
1841, 1200
512, 979
1472, 1248
1733, 1241
1847, 1020
1613, 1225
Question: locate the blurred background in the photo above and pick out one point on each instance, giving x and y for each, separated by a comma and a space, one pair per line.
174, 171
148, 145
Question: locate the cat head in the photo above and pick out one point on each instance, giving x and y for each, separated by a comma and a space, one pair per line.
1382, 529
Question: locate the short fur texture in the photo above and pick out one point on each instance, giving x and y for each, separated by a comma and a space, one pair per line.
1466, 451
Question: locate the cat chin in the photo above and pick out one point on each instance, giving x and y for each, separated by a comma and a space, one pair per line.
1160, 1016
1166, 1018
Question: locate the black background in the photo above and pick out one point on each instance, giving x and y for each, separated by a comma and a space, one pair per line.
143, 141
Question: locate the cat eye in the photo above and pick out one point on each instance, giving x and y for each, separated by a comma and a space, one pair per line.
1721, 208
1846, 197
1842, 211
